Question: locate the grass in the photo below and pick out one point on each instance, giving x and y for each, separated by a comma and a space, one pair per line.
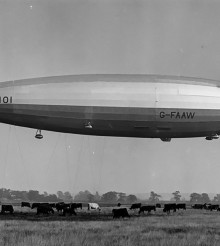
190, 227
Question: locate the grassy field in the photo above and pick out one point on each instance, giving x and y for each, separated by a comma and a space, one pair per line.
190, 227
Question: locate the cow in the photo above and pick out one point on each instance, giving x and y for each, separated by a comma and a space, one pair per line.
206, 206
158, 205
52, 205
44, 209
37, 204
168, 207
76, 205
211, 207
181, 206
60, 206
198, 206
7, 208
94, 206
147, 208
135, 206
120, 212
25, 204
69, 210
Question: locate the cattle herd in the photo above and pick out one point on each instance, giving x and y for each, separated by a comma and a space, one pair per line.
119, 212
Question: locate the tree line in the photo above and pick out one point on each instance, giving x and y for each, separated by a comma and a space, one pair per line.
82, 196
108, 197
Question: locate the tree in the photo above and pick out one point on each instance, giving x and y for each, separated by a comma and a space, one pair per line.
5, 193
33, 195
97, 197
217, 198
110, 197
195, 198
67, 196
90, 198
154, 197
205, 198
45, 194
22, 195
60, 195
82, 196
122, 197
52, 198
176, 196
131, 199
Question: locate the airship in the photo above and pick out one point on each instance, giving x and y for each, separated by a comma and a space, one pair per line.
131, 105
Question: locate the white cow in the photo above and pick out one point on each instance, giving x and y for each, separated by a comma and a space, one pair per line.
93, 206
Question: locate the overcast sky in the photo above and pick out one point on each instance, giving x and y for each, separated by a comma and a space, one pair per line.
50, 37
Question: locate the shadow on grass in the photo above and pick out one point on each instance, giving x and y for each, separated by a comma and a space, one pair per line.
59, 217
176, 230
81, 216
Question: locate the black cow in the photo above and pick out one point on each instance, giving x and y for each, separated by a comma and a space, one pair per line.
198, 206
135, 206
211, 207
7, 208
76, 205
147, 208
168, 207
120, 212
158, 205
44, 209
60, 206
69, 211
37, 204
52, 205
25, 204
181, 206
206, 206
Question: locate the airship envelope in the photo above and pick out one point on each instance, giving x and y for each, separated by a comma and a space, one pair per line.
141, 106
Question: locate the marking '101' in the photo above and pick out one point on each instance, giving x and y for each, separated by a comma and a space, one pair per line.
5, 99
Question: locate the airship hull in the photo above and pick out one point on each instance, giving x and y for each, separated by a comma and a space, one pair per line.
114, 105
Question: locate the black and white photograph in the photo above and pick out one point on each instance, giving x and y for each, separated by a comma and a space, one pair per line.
109, 122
